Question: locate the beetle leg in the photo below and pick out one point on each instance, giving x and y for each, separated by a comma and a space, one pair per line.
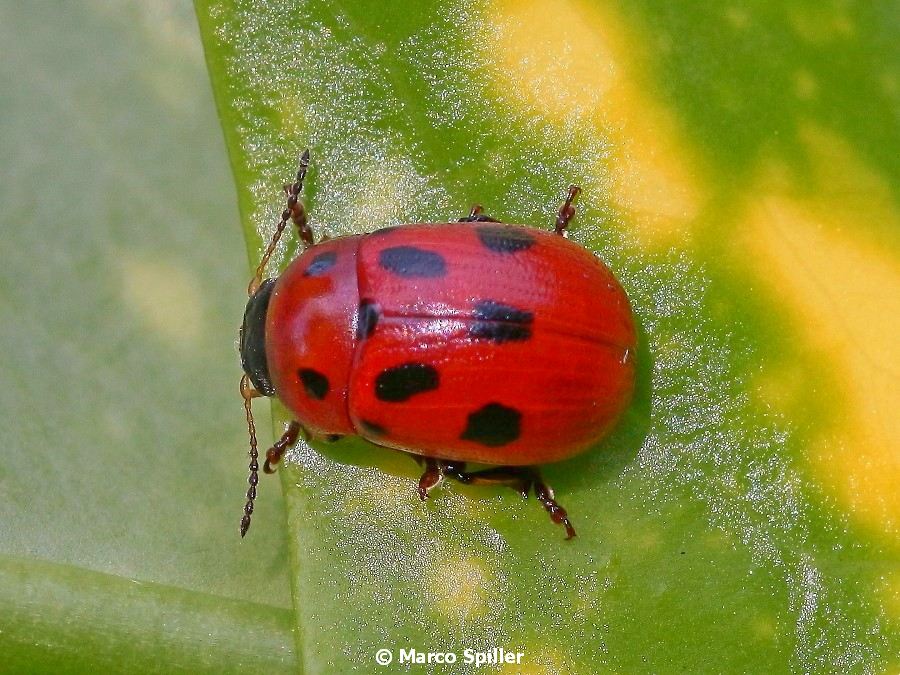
518, 479
288, 438
430, 478
566, 211
456, 471
295, 212
522, 479
557, 513
476, 215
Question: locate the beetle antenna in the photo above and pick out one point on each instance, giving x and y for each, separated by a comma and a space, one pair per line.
295, 212
248, 393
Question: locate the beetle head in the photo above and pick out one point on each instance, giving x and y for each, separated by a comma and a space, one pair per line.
253, 339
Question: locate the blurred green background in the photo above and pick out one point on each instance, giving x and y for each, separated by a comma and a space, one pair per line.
741, 171
121, 289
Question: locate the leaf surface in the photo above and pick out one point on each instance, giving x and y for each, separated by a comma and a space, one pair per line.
121, 270
743, 517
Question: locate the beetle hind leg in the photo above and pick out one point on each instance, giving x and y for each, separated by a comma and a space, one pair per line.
566, 211
522, 479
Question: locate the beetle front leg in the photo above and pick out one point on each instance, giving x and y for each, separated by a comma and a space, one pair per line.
288, 438
295, 212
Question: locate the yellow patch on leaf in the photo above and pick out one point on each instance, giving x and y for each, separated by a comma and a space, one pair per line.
165, 298
820, 258
462, 587
575, 64
291, 115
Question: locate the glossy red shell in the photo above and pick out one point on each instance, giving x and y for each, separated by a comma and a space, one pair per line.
479, 342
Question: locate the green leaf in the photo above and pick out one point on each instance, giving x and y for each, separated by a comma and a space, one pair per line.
743, 517
121, 273
64, 619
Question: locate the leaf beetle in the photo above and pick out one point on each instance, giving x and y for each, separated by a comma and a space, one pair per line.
467, 341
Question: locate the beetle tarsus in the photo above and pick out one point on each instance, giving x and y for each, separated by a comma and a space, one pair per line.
522, 479
476, 215
288, 438
295, 209
294, 212
566, 211
557, 513
430, 478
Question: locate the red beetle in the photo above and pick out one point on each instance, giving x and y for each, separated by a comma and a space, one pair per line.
471, 341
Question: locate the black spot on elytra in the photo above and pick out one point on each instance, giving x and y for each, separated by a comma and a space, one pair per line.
493, 425
505, 238
400, 383
321, 264
409, 261
315, 383
372, 428
366, 319
500, 323
490, 310
499, 332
